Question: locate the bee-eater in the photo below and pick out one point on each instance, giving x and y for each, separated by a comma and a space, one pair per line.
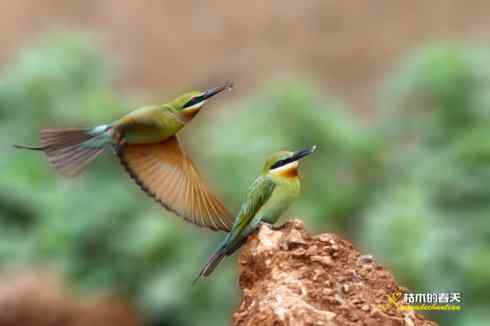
271, 194
146, 143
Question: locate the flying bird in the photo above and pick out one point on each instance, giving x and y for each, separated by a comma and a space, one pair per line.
146, 143
271, 194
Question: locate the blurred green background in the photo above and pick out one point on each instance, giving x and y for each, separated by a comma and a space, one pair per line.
406, 178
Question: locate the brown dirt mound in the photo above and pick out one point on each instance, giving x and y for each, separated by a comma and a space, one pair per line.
38, 297
289, 277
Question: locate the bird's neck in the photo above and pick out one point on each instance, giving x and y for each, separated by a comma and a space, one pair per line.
290, 173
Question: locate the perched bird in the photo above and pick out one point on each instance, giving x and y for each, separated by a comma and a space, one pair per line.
146, 143
269, 196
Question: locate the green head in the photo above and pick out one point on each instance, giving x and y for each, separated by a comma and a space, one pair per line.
192, 102
285, 161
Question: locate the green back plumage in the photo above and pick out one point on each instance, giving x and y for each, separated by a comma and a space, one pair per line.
260, 191
156, 123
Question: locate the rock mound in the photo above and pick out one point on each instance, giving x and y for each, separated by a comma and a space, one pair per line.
289, 277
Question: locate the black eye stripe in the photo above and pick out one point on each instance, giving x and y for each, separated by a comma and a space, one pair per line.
193, 101
282, 162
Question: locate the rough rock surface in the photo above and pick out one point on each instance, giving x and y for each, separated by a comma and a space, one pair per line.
289, 277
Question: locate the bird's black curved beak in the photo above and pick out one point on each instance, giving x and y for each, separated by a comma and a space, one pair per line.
208, 94
215, 90
296, 156
302, 153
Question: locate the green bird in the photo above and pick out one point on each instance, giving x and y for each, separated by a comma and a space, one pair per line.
145, 141
272, 192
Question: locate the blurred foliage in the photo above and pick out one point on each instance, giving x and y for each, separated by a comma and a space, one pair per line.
413, 187
292, 114
99, 229
432, 223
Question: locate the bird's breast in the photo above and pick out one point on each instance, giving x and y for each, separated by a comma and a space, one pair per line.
281, 199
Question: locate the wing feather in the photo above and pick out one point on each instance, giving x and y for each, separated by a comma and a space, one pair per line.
164, 172
259, 193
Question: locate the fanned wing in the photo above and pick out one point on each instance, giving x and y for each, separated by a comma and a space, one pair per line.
163, 171
260, 191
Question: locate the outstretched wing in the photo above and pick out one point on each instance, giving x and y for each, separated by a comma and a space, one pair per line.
164, 172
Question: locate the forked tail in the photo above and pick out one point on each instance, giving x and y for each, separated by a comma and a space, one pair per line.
69, 151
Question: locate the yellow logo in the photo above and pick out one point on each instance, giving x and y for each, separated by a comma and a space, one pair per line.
392, 301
